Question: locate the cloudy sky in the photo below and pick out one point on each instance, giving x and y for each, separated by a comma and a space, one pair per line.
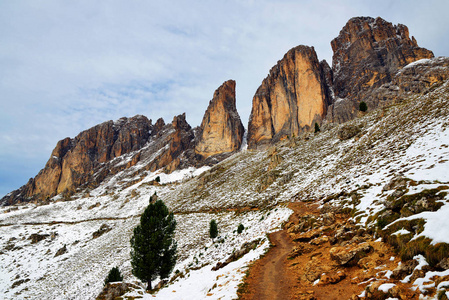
68, 65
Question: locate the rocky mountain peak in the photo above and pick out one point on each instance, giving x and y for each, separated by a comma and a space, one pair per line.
221, 130
368, 51
179, 122
290, 100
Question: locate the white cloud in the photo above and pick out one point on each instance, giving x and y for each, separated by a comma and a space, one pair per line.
68, 65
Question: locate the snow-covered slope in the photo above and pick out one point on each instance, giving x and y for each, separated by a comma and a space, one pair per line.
408, 140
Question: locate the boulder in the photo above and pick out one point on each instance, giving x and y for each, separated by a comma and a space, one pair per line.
351, 254
348, 131
61, 251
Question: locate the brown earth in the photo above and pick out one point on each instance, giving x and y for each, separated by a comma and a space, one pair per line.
306, 265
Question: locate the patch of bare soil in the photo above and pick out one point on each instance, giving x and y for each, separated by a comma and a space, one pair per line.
322, 255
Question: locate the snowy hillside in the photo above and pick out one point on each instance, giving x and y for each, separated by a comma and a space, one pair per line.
92, 230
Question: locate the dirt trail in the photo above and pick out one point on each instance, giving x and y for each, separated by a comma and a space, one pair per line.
310, 272
268, 277
271, 281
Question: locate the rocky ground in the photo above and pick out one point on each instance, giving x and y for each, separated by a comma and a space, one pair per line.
322, 254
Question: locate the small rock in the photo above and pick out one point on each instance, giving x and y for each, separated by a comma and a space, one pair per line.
320, 240
61, 251
103, 229
444, 264
296, 251
349, 255
332, 278
160, 284
404, 269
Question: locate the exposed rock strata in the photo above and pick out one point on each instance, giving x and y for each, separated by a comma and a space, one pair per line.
221, 130
290, 100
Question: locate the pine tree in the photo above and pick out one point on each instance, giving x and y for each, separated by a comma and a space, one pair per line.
153, 248
317, 127
113, 276
363, 107
213, 229
240, 228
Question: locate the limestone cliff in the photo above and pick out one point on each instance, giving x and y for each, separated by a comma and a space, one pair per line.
290, 100
221, 130
367, 53
104, 150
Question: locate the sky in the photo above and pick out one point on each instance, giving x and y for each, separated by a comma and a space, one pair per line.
66, 66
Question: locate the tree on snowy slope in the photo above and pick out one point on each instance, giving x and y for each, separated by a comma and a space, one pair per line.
153, 248
213, 229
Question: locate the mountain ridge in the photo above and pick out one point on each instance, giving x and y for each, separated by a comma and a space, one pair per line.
300, 91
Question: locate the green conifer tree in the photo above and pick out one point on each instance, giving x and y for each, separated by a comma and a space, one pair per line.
363, 107
213, 229
113, 276
153, 248
317, 127
240, 228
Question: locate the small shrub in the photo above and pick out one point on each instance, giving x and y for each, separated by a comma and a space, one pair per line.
113, 276
240, 228
363, 107
158, 179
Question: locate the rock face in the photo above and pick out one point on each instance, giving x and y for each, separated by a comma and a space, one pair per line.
89, 158
367, 53
73, 160
290, 100
221, 130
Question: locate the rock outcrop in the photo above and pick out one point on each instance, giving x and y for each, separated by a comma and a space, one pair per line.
221, 130
104, 150
73, 160
367, 53
290, 100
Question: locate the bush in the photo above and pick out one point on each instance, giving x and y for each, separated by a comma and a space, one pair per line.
158, 179
113, 276
363, 107
240, 228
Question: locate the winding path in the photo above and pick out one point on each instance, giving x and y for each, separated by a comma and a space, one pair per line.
268, 278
